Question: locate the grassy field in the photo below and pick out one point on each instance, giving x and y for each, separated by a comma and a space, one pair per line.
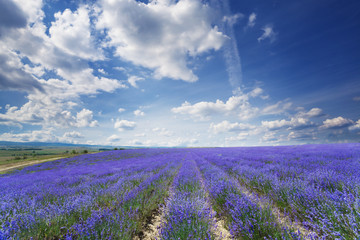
21, 155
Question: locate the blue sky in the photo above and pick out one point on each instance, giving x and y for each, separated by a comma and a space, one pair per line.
180, 73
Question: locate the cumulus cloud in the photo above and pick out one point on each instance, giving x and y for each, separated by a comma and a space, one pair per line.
113, 138
163, 132
301, 136
45, 135
270, 137
11, 16
71, 33
356, 126
268, 33
277, 108
160, 35
73, 134
172, 142
64, 52
133, 81
252, 19
123, 125
139, 113
120, 110
13, 75
84, 119
32, 9
314, 112
231, 20
338, 122
240, 137
48, 113
226, 126
236, 105
293, 123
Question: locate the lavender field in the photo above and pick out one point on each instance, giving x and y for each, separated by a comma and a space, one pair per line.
290, 192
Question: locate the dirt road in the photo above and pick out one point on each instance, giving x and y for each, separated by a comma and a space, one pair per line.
14, 166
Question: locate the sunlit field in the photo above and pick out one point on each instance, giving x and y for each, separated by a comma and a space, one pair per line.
292, 192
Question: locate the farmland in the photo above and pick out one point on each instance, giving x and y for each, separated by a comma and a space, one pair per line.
288, 192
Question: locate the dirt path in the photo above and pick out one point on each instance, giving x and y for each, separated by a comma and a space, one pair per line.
7, 168
219, 230
281, 218
158, 219
153, 232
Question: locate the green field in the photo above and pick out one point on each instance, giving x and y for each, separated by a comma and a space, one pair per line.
19, 155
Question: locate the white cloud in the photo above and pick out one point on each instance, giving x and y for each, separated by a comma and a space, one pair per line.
226, 126
160, 35
136, 142
301, 136
231, 20
123, 125
113, 139
252, 18
268, 33
256, 92
122, 69
73, 134
338, 122
84, 119
71, 33
277, 108
314, 112
32, 8
240, 137
294, 123
270, 137
140, 135
45, 135
356, 126
120, 110
46, 111
172, 142
236, 105
134, 79
13, 76
163, 132
50, 101
12, 17
102, 71
139, 113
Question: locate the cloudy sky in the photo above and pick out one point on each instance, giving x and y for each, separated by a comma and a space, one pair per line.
180, 72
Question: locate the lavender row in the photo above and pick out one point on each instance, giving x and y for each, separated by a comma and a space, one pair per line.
244, 217
188, 214
124, 218
318, 185
46, 200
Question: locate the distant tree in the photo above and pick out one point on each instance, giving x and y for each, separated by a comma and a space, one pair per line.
85, 151
116, 149
73, 151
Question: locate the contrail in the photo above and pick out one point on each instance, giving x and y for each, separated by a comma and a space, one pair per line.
230, 49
